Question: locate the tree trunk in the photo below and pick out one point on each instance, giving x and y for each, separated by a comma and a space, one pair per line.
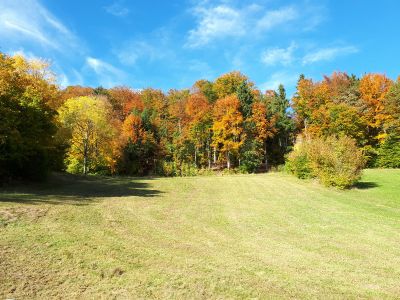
209, 156
228, 161
215, 155
195, 156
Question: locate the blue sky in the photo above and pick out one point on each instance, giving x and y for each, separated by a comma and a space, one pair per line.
171, 44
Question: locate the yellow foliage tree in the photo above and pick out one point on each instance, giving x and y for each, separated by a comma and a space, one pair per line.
373, 89
87, 121
228, 130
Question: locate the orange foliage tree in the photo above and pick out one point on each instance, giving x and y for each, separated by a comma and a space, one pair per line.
227, 128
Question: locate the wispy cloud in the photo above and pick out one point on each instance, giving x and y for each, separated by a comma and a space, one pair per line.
273, 18
327, 54
28, 20
226, 20
107, 74
117, 9
27, 54
274, 56
133, 51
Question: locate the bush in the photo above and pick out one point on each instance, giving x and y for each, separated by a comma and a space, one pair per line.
187, 169
166, 168
334, 161
298, 163
170, 169
205, 172
389, 153
251, 161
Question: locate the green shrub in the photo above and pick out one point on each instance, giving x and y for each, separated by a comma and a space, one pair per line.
298, 163
205, 172
389, 153
165, 168
334, 161
252, 159
229, 171
187, 169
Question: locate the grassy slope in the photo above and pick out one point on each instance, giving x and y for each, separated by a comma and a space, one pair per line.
204, 237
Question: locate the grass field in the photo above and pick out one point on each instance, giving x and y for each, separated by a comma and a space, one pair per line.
244, 236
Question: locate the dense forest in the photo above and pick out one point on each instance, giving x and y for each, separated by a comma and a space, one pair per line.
225, 125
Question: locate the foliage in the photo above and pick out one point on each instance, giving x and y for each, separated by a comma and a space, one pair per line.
298, 162
87, 120
389, 152
225, 123
251, 158
228, 84
334, 161
281, 126
227, 127
27, 122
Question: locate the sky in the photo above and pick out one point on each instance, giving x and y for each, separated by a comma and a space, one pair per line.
170, 44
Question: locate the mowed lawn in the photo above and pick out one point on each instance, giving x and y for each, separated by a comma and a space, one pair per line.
244, 236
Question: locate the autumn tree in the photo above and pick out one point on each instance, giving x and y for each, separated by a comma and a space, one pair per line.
229, 83
373, 88
389, 148
199, 126
87, 120
27, 122
264, 129
391, 104
227, 128
206, 88
124, 100
140, 148
73, 91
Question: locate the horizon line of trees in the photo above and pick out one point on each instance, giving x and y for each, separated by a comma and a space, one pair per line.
222, 124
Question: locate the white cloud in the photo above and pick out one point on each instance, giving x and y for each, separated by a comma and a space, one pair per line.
28, 20
281, 77
327, 54
230, 19
215, 22
107, 74
63, 80
117, 9
277, 17
274, 56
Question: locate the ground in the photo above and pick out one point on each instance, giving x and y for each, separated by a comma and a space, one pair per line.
242, 236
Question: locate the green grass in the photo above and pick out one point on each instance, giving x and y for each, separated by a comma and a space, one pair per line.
244, 236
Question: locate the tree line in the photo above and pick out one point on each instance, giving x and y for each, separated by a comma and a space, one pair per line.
227, 124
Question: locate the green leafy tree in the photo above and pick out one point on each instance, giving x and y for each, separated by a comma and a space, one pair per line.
282, 141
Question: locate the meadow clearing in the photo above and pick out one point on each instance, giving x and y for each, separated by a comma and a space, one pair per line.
240, 236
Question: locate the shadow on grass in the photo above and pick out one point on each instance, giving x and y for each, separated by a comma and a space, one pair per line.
364, 185
76, 190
